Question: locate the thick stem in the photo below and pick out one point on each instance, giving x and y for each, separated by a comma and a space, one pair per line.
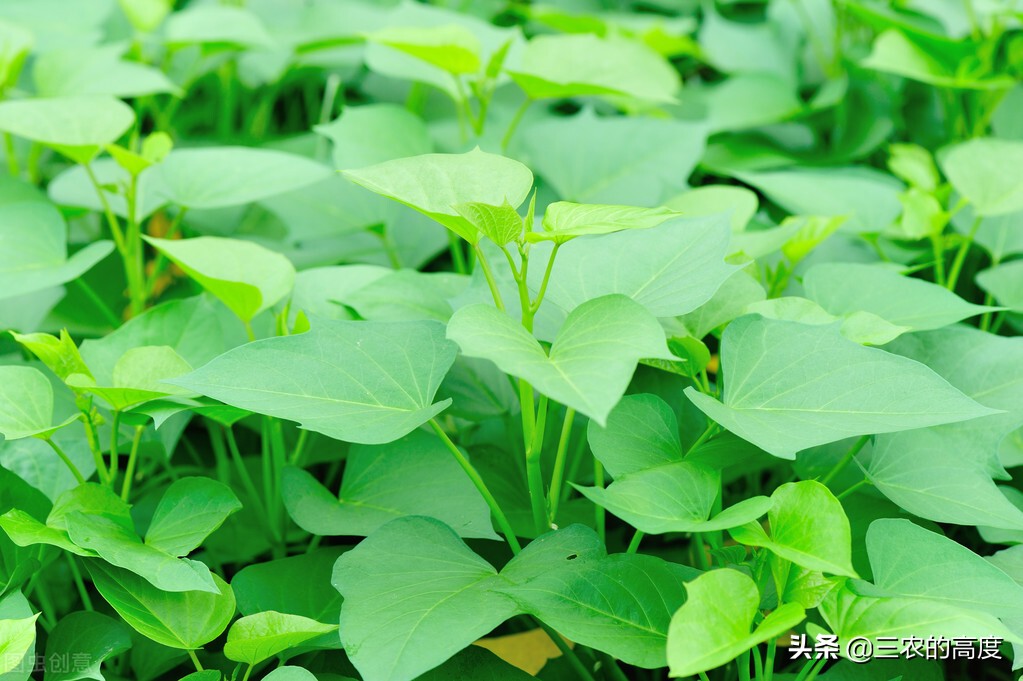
598, 511
634, 544
938, 248
115, 427
960, 257
195, 660
481, 486
534, 474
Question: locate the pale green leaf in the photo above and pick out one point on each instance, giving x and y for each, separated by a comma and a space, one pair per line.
451, 48
77, 126
259, 637
189, 511
26, 404
988, 172
16, 638
590, 363
564, 220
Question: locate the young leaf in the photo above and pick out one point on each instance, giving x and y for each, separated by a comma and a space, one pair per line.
217, 26
185, 620
375, 380
675, 497
501, 224
297, 585
120, 546
259, 637
246, 277
374, 133
704, 634
26, 404
189, 511
414, 596
844, 288
77, 126
16, 638
777, 401
415, 475
987, 172
435, 184
138, 376
591, 362
91, 635
450, 48
563, 66
808, 527
564, 220
59, 354
865, 328
219, 177
97, 71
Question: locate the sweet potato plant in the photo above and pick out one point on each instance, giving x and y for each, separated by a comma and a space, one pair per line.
591, 340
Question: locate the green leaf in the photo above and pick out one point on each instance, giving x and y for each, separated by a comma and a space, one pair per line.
589, 365
77, 126
16, 638
121, 547
189, 511
851, 616
479, 664
808, 527
297, 585
560, 66
138, 376
675, 497
91, 635
731, 300
216, 26
1005, 283
415, 475
146, 15
414, 596
184, 620
670, 269
452, 48
987, 173
33, 245
860, 327
951, 574
705, 634
97, 71
374, 133
617, 160
641, 433
844, 288
564, 220
59, 354
259, 637
739, 202
375, 380
777, 400
619, 604
501, 224
934, 61
246, 277
868, 197
219, 177
915, 165
26, 404
435, 184
18, 42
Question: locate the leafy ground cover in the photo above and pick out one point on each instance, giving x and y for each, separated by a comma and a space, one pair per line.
582, 340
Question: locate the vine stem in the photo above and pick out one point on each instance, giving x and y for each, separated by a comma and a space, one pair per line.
67, 461
844, 461
195, 661
129, 471
534, 474
636, 539
489, 275
481, 486
516, 119
567, 652
960, 257
557, 477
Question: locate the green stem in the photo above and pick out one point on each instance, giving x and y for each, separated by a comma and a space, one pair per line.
457, 255
516, 119
546, 278
249, 331
852, 488
489, 275
76, 575
960, 257
611, 664
239, 464
985, 319
248, 671
481, 486
599, 516
296, 455
845, 460
93, 297
566, 650
699, 554
129, 471
115, 227
634, 544
534, 474
13, 166
938, 247
115, 426
557, 477
772, 648
161, 260
195, 660
743, 663
92, 437
704, 436
703, 676
67, 461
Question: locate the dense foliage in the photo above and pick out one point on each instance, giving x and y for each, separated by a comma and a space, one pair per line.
625, 340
